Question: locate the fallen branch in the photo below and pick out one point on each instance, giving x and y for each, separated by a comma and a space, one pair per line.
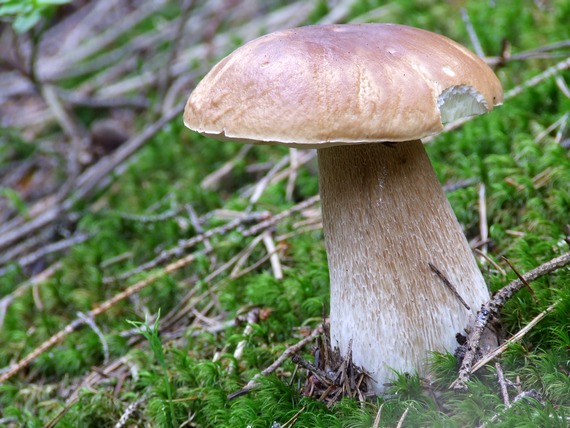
518, 336
491, 310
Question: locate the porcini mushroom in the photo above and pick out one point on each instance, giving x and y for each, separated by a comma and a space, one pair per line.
364, 96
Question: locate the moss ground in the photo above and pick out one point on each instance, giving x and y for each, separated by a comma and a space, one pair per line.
184, 370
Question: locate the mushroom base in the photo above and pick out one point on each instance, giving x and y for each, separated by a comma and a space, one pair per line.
385, 219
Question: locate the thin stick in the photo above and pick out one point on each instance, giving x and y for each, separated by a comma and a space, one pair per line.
505, 293
198, 228
70, 126
561, 83
88, 181
182, 246
491, 261
239, 260
91, 178
131, 408
264, 182
165, 80
96, 44
293, 420
294, 159
21, 289
502, 384
91, 323
322, 375
54, 247
524, 281
300, 231
212, 180
552, 127
549, 72
277, 363
292, 350
250, 268
278, 217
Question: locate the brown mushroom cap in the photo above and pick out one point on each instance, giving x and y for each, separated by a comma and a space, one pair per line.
325, 85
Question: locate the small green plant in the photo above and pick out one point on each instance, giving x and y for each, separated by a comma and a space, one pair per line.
25, 14
151, 334
14, 199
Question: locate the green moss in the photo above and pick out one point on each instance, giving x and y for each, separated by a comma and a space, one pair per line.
527, 199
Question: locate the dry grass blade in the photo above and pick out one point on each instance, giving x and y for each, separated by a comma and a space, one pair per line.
483, 225
378, 417
97, 44
40, 253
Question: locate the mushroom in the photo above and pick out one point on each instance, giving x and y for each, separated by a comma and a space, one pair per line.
363, 96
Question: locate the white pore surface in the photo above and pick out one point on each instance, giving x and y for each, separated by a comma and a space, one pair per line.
460, 101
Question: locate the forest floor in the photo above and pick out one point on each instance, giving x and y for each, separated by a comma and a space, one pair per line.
152, 277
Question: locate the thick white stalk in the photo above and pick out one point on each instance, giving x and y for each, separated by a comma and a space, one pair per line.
386, 218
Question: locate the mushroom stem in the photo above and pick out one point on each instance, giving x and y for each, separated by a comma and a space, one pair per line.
386, 218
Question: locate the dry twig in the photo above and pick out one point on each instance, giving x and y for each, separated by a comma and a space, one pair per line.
502, 384
277, 363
